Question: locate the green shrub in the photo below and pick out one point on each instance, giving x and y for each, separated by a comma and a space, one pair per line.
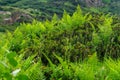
62, 49
72, 38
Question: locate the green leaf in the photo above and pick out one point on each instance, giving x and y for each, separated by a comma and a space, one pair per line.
22, 77
8, 76
13, 62
11, 59
11, 55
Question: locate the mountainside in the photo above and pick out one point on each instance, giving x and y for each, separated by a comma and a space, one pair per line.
45, 9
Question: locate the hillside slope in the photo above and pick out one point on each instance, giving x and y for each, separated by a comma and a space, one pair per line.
45, 9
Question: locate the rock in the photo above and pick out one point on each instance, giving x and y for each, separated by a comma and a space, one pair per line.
5, 12
94, 3
18, 17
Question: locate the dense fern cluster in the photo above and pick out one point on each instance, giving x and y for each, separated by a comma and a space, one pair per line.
76, 36
46, 50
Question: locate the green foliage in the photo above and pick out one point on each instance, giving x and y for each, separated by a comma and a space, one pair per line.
77, 35
113, 69
89, 69
62, 49
106, 1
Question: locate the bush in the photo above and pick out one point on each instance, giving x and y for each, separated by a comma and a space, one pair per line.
73, 37
62, 49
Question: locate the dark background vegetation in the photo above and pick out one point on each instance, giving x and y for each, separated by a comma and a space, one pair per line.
43, 9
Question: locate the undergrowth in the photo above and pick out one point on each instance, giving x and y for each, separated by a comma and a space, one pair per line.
77, 47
